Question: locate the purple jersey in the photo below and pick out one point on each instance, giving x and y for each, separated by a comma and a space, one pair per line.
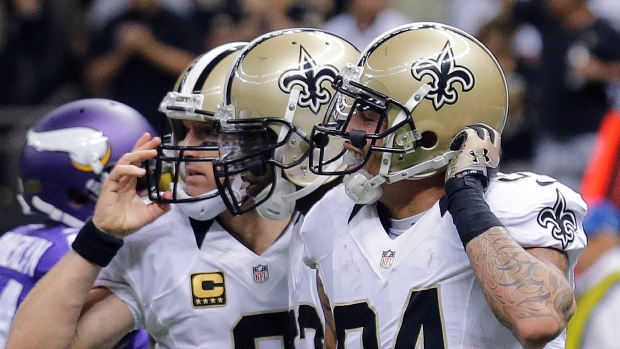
27, 253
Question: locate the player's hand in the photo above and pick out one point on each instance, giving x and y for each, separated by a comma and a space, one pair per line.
120, 210
478, 149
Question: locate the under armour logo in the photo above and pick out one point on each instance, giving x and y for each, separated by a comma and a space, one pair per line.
476, 157
310, 77
561, 221
444, 72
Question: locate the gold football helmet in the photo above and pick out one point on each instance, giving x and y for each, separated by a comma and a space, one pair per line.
276, 91
426, 81
195, 97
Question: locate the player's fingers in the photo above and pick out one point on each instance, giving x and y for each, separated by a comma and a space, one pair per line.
120, 171
459, 139
147, 141
478, 129
136, 157
158, 209
486, 131
167, 195
142, 140
163, 207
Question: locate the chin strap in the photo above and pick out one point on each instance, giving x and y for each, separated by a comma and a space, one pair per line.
204, 210
207, 209
281, 203
364, 190
433, 164
292, 197
276, 207
406, 140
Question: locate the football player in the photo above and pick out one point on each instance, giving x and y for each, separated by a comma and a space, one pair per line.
275, 93
424, 245
265, 145
67, 156
192, 273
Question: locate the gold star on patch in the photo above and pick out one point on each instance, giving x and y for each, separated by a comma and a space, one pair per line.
208, 289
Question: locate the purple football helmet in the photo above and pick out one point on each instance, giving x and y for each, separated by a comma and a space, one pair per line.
70, 152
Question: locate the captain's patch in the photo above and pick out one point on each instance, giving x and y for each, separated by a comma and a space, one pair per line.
208, 289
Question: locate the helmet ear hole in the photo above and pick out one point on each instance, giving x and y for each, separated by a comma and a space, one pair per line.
429, 139
76, 197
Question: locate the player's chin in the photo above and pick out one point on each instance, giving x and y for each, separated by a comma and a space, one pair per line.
198, 189
254, 189
256, 184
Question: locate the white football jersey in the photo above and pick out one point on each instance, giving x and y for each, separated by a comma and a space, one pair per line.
418, 290
221, 295
304, 298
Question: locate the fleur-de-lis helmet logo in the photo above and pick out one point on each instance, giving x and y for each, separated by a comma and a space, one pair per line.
444, 72
562, 222
311, 78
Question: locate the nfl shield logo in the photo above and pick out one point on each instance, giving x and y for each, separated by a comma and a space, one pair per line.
261, 273
387, 259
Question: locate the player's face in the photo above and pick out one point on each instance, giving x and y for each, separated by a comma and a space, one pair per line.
198, 175
256, 184
367, 120
244, 153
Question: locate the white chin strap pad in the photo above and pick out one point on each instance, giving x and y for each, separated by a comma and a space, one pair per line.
361, 189
202, 210
210, 208
276, 208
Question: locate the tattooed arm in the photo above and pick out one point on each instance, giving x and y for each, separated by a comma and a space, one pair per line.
330, 324
527, 289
